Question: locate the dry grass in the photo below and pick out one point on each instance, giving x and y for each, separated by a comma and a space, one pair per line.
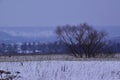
63, 57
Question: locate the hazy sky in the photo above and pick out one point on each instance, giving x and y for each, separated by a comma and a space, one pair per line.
59, 12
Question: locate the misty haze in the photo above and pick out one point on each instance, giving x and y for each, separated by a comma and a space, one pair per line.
59, 40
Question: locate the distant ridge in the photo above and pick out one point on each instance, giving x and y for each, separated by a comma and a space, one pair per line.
6, 36
42, 34
116, 39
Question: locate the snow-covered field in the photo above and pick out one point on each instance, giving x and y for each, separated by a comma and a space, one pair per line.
64, 70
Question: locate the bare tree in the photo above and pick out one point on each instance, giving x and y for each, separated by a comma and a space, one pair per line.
82, 39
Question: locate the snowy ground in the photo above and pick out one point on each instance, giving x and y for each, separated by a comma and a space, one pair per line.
65, 70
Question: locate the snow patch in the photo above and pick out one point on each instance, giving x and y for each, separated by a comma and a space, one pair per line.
65, 70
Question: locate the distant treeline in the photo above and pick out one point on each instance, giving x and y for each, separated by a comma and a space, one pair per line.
32, 48
46, 48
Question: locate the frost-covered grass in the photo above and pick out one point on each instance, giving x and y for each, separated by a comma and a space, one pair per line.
56, 57
65, 70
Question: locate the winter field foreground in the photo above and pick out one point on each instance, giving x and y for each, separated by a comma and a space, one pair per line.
76, 69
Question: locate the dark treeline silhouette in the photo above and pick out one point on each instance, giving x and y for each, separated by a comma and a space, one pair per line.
49, 48
33, 48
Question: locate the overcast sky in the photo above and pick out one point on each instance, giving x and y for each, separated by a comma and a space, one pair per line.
59, 12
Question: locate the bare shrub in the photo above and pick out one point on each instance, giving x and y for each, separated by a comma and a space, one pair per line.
7, 75
82, 40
